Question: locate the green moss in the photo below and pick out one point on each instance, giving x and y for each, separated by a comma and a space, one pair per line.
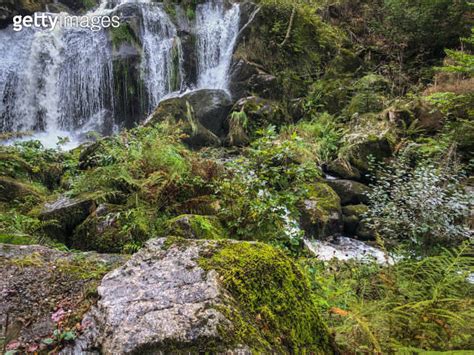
355, 210
196, 227
15, 239
89, 4
326, 201
122, 34
274, 309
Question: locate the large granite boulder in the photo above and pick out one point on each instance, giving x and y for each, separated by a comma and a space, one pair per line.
43, 291
192, 296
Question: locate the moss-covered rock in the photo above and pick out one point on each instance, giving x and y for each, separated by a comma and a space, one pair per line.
100, 231
200, 115
352, 217
12, 190
65, 214
371, 137
273, 308
196, 227
252, 113
188, 296
350, 192
320, 211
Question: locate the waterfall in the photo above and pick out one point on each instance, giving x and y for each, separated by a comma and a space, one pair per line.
61, 81
162, 55
217, 27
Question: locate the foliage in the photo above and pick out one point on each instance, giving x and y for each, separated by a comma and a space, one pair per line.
260, 192
424, 206
322, 136
462, 61
422, 304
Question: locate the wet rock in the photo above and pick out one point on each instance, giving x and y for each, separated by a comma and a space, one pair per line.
171, 297
343, 170
350, 192
321, 211
65, 214
196, 227
373, 148
41, 288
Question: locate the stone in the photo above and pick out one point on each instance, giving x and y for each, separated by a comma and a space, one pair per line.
321, 211
66, 214
206, 107
350, 192
42, 287
12, 190
100, 231
248, 78
352, 218
173, 296
342, 169
196, 227
257, 113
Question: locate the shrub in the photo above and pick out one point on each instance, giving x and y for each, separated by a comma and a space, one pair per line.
424, 206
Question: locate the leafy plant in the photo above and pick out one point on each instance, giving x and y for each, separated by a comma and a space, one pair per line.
424, 206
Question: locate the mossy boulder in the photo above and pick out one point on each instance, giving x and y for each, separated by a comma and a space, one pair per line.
45, 289
12, 190
252, 113
192, 296
350, 192
100, 231
371, 137
64, 215
196, 227
352, 217
202, 205
320, 211
342, 169
206, 108
35, 170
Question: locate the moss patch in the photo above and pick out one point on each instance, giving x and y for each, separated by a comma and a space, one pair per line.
274, 308
196, 227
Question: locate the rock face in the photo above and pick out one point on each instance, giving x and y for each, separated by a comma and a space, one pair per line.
42, 289
167, 298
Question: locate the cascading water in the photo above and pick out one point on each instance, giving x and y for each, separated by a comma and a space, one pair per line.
217, 28
162, 55
61, 82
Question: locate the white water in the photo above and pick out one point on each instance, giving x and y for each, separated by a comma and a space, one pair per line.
343, 248
162, 61
60, 83
217, 30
